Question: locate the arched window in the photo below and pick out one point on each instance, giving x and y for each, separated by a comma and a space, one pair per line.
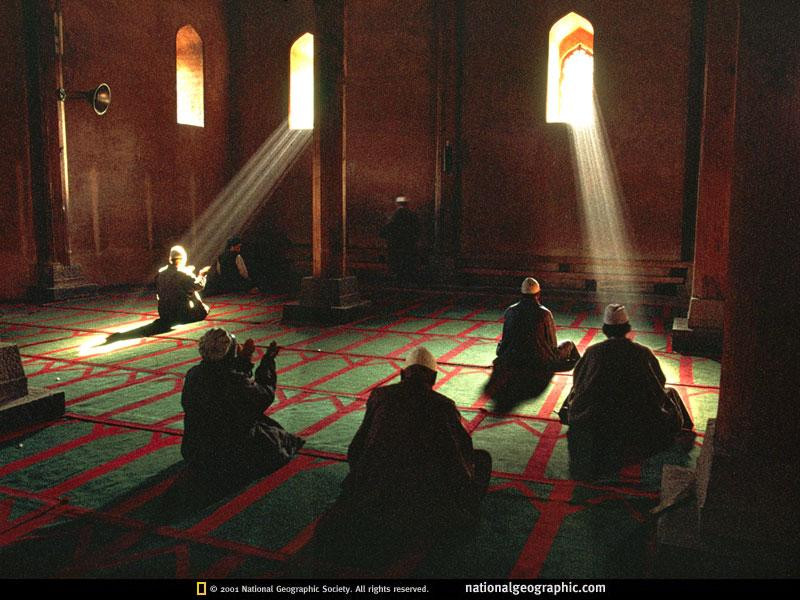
570, 71
301, 83
189, 76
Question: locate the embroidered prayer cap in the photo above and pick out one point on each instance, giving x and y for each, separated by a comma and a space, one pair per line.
615, 315
175, 252
530, 286
421, 356
215, 344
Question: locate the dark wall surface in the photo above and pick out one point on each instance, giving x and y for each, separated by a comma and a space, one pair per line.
17, 243
515, 163
138, 179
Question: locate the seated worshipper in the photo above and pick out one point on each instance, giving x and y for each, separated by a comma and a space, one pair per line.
618, 410
401, 234
528, 353
230, 273
414, 475
225, 430
177, 289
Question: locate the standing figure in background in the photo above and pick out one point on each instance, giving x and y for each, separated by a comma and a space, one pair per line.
528, 354
618, 410
177, 289
230, 273
402, 235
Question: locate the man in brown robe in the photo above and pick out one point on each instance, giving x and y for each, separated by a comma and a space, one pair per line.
177, 288
528, 353
414, 475
618, 410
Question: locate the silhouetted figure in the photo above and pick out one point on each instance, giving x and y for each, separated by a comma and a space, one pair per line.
177, 289
402, 235
618, 410
528, 353
226, 435
230, 272
414, 475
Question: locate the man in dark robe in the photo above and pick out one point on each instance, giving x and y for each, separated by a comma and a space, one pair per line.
528, 353
225, 430
177, 289
414, 475
230, 273
402, 235
618, 410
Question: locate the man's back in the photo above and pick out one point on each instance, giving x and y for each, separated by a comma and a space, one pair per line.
411, 439
617, 408
175, 289
528, 335
221, 404
616, 381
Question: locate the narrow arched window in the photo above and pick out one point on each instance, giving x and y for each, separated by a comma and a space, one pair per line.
301, 83
189, 76
570, 71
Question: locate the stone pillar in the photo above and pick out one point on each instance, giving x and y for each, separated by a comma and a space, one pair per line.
743, 517
330, 295
57, 276
448, 16
19, 404
702, 329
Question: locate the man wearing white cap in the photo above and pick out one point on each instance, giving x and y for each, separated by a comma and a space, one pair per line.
401, 234
528, 353
414, 474
225, 431
618, 410
177, 289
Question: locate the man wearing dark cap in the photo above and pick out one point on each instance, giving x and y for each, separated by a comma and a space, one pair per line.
528, 353
225, 430
230, 273
618, 410
414, 475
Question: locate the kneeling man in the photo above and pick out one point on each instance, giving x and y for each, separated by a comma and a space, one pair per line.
528, 353
225, 431
414, 475
618, 410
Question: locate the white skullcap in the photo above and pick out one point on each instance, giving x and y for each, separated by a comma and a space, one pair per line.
615, 315
215, 344
401, 200
530, 286
421, 356
176, 251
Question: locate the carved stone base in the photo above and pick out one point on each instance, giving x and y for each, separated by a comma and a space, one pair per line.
686, 340
716, 521
37, 406
59, 282
326, 302
13, 383
19, 404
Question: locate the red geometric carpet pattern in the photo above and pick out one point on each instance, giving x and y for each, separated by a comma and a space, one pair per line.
90, 495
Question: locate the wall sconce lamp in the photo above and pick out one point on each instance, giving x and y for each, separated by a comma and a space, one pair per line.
99, 97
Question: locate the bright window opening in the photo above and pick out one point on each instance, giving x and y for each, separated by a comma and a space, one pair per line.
301, 83
189, 76
570, 72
